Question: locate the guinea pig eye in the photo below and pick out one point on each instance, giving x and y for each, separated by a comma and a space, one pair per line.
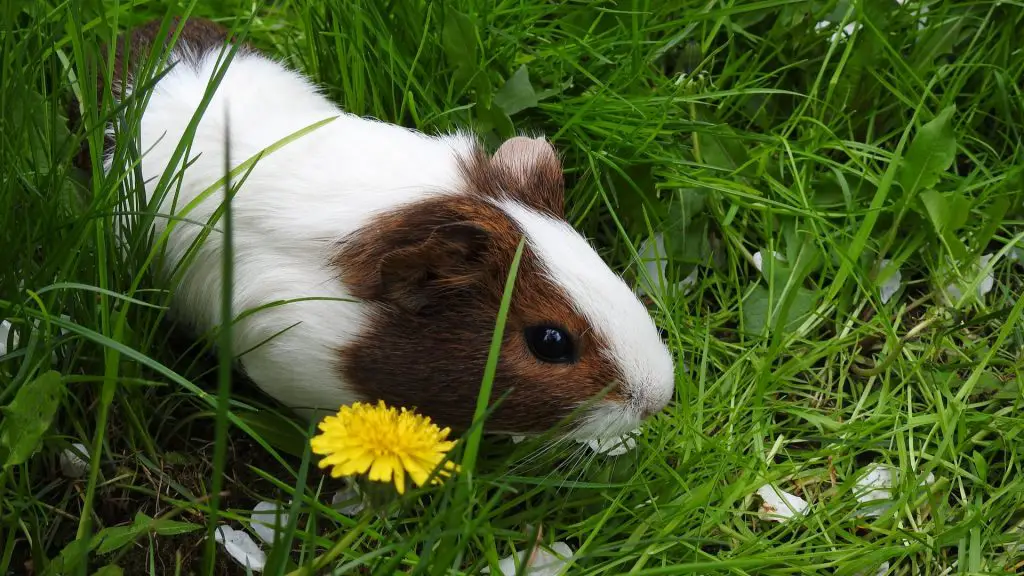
550, 344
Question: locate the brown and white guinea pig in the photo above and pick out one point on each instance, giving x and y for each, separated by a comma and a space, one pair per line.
405, 241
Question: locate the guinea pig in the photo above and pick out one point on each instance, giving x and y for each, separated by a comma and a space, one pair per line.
397, 245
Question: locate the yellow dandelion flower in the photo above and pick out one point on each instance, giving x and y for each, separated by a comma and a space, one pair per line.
383, 441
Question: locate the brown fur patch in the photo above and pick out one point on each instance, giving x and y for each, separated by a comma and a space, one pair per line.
132, 51
434, 274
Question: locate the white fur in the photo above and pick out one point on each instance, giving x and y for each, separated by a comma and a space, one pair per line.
295, 204
301, 199
613, 312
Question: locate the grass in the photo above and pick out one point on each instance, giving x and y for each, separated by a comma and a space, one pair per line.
732, 129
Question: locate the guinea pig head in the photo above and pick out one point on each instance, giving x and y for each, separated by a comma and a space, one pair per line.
577, 341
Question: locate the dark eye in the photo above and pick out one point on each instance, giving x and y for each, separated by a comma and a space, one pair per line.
550, 344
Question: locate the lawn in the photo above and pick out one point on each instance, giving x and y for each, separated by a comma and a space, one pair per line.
837, 189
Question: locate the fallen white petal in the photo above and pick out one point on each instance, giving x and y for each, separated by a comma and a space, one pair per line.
655, 260
348, 501
985, 286
689, 282
891, 285
845, 33
241, 547
875, 484
874, 488
5, 330
545, 561
612, 446
267, 520
759, 259
74, 461
518, 439
954, 291
778, 505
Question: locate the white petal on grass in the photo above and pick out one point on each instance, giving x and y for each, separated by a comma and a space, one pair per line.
891, 285
875, 483
74, 461
874, 488
985, 286
759, 259
613, 446
543, 562
518, 439
954, 291
5, 331
267, 520
348, 501
882, 569
689, 282
241, 547
841, 34
778, 505
655, 260
654, 257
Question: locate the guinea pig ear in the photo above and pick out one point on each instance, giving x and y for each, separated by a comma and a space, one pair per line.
450, 257
528, 169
